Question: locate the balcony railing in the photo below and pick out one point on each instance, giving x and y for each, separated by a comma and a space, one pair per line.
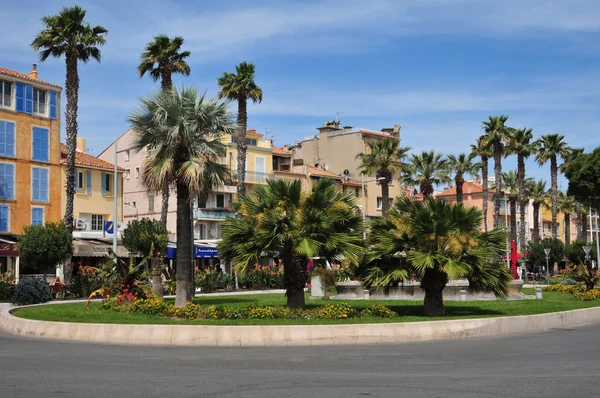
204, 214
252, 176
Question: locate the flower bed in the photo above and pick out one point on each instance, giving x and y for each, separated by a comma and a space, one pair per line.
578, 291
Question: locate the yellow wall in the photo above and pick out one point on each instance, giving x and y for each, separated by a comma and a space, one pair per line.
20, 207
262, 149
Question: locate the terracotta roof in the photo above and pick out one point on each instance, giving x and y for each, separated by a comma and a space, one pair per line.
474, 188
280, 151
410, 192
85, 159
321, 173
14, 73
376, 134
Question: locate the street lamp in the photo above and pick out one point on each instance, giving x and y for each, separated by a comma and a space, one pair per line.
547, 251
363, 182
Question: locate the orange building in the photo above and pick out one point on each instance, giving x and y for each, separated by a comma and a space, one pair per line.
473, 197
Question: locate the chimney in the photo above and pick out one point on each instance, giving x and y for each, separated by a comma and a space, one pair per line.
252, 131
34, 73
81, 144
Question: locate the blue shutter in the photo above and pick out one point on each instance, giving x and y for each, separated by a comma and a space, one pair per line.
88, 182
52, 104
4, 218
28, 99
10, 139
2, 181
103, 185
9, 177
44, 181
20, 95
35, 216
35, 184
2, 137
35, 143
44, 145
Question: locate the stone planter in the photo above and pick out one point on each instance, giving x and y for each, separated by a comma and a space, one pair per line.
514, 289
350, 290
317, 290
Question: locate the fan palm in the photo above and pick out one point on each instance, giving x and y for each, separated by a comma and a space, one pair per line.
567, 205
161, 58
460, 166
495, 133
435, 241
240, 87
384, 160
538, 193
279, 216
183, 128
426, 170
68, 34
520, 142
483, 151
549, 148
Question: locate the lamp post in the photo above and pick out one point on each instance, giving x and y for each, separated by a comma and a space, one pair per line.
506, 229
547, 251
362, 183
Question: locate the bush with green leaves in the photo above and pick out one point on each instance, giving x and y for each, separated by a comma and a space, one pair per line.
537, 256
44, 246
576, 254
31, 291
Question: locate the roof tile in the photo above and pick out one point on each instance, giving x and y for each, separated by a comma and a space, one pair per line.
85, 159
19, 75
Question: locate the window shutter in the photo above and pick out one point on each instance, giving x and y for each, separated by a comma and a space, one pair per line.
28, 99
9, 176
35, 183
4, 218
44, 145
3, 137
3, 182
44, 181
88, 181
20, 96
10, 139
52, 104
34, 216
103, 185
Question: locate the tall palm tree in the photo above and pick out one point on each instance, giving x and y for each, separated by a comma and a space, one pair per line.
579, 211
438, 241
495, 133
460, 166
538, 193
183, 129
520, 142
240, 87
279, 216
510, 182
567, 205
384, 159
549, 148
163, 57
426, 170
68, 34
483, 151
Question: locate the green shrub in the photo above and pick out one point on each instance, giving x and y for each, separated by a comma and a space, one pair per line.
562, 280
31, 291
7, 286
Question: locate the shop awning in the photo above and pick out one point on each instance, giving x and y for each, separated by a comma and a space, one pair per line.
96, 248
8, 246
200, 250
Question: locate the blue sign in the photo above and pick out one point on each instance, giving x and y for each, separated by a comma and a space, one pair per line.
109, 227
205, 252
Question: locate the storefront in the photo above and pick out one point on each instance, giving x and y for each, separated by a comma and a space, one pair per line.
205, 255
9, 256
94, 252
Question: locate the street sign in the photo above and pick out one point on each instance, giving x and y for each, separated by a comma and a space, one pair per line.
109, 227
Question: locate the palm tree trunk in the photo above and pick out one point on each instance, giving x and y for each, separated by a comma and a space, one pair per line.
241, 147
484, 183
498, 177
536, 222
584, 225
579, 224
567, 232
294, 277
433, 284
554, 183
156, 276
459, 189
385, 197
513, 219
184, 248
164, 208
522, 201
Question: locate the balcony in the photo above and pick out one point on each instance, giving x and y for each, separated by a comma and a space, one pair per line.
252, 176
213, 214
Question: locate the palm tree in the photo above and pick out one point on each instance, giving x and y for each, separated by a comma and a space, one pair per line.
183, 129
567, 205
460, 166
549, 148
426, 170
495, 134
538, 194
581, 214
511, 185
520, 142
68, 34
435, 241
240, 87
279, 216
483, 151
384, 160
161, 58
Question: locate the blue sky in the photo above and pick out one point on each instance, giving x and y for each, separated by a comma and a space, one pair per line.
438, 67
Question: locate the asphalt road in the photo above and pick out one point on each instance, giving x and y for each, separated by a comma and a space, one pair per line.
558, 363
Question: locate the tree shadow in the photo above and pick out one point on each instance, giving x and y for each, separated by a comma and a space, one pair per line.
451, 311
221, 300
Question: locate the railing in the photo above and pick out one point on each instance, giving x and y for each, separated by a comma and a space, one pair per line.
212, 214
253, 176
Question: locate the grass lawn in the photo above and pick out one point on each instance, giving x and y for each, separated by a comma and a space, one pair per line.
408, 311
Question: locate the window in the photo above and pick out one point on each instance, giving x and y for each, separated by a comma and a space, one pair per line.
133, 204
37, 215
5, 94
356, 192
380, 202
40, 144
127, 155
39, 101
127, 174
39, 184
7, 138
220, 200
249, 141
201, 228
106, 186
148, 151
79, 181
201, 202
7, 181
97, 222
137, 172
4, 218
151, 202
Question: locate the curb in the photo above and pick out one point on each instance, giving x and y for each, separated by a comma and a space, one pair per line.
292, 335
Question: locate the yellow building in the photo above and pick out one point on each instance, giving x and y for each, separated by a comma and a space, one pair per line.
546, 224
93, 204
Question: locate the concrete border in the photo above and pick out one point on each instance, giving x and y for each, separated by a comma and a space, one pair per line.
292, 335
